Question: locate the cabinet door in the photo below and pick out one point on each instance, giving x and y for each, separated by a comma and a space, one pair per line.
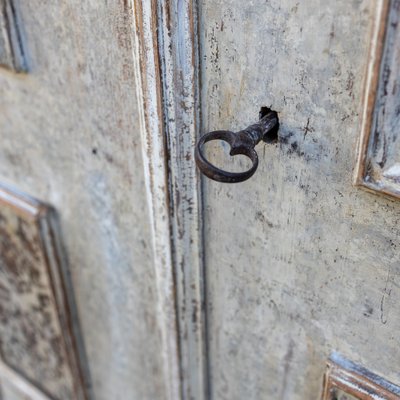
187, 288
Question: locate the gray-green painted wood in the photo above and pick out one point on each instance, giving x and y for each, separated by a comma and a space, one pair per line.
298, 261
70, 136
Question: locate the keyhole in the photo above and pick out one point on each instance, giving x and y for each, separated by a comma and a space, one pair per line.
272, 135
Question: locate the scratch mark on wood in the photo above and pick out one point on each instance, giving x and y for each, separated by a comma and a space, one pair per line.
307, 128
386, 294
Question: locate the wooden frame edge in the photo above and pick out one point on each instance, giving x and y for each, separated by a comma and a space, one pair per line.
179, 62
64, 298
362, 386
167, 74
371, 83
20, 383
154, 153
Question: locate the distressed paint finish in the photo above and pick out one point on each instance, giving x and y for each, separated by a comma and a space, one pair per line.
298, 260
167, 45
179, 71
70, 134
156, 179
36, 336
379, 163
345, 380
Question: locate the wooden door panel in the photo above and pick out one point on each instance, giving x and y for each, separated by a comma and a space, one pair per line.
298, 260
37, 321
70, 135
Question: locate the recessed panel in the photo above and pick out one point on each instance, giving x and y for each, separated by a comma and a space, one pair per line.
36, 337
379, 158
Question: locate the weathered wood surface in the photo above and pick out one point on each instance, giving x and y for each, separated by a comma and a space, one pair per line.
167, 45
379, 159
298, 260
70, 135
155, 158
36, 311
181, 107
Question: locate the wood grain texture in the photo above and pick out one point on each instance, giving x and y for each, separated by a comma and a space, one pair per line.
298, 260
167, 48
70, 134
36, 330
378, 166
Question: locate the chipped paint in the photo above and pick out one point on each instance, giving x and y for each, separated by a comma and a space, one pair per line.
171, 110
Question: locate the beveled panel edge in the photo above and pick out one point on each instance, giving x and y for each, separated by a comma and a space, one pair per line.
11, 37
356, 381
45, 217
20, 383
24, 205
371, 84
64, 297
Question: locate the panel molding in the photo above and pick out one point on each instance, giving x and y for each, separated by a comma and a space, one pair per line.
11, 48
39, 332
10, 378
167, 78
351, 379
364, 176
